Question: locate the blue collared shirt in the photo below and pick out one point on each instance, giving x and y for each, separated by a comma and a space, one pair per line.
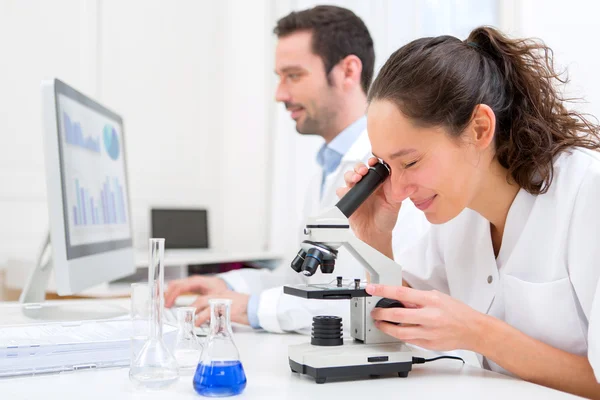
329, 157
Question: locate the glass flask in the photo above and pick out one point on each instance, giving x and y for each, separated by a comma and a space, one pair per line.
140, 313
187, 347
155, 367
220, 372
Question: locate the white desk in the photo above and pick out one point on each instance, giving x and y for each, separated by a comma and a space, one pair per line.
264, 357
17, 271
182, 258
179, 258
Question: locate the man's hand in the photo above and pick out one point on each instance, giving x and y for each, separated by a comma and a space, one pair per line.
203, 285
239, 307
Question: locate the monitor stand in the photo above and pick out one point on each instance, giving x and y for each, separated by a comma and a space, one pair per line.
35, 306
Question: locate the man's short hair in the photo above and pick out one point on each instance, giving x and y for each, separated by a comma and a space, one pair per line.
336, 33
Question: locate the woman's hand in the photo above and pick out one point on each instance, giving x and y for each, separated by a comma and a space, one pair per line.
431, 319
378, 214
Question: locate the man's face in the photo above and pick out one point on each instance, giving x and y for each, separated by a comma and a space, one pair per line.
303, 87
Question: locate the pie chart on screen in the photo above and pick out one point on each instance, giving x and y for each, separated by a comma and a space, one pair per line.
111, 142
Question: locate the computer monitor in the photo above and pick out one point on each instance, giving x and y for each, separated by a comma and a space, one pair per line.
185, 228
88, 200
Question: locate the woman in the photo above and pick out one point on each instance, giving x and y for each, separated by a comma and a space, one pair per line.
477, 136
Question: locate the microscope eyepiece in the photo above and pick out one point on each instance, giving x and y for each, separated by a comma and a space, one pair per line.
312, 261
363, 189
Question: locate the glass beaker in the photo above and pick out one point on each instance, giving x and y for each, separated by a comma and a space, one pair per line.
220, 372
155, 367
139, 313
187, 347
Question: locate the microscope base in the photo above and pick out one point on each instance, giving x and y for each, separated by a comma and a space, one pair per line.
353, 359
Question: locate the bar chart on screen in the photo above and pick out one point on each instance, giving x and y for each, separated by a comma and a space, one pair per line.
108, 207
94, 177
75, 137
97, 207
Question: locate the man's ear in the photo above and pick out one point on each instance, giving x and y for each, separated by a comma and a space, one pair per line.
351, 71
482, 127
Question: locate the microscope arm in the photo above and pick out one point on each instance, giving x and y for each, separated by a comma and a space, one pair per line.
331, 228
327, 233
381, 268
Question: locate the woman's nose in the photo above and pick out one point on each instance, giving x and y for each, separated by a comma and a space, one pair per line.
403, 190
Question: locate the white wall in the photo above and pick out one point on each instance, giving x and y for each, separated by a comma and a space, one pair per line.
154, 71
33, 47
571, 30
185, 77
247, 136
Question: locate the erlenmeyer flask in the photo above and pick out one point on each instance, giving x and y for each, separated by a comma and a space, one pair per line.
187, 347
220, 372
155, 367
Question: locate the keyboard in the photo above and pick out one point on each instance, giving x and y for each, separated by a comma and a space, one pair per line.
202, 330
170, 317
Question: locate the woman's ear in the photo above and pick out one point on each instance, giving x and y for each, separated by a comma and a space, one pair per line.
483, 126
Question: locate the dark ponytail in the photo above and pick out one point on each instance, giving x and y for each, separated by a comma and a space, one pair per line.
439, 82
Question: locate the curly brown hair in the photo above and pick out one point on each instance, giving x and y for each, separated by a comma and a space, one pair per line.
439, 81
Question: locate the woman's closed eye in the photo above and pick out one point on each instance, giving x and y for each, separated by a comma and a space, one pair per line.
410, 164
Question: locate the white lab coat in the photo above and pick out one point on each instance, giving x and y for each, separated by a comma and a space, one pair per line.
594, 335
278, 312
545, 278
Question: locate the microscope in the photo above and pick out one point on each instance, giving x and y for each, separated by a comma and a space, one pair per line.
371, 352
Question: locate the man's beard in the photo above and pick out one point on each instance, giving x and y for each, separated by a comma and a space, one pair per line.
310, 126
316, 125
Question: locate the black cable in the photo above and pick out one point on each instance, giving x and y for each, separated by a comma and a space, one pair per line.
421, 360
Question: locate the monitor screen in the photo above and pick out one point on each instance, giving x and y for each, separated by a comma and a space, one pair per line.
93, 175
182, 229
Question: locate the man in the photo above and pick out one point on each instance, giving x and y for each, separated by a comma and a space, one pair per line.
325, 60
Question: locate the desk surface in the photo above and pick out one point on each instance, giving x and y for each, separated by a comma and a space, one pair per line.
177, 257
264, 357
18, 270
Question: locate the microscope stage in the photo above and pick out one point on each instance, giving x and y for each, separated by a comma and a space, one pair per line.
325, 291
352, 359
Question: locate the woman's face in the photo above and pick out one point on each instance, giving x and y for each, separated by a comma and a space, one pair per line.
439, 173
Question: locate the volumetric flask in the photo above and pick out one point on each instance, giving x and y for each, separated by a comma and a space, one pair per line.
187, 347
220, 372
140, 314
155, 367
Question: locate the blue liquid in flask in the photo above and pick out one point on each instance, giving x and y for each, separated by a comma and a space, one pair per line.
220, 379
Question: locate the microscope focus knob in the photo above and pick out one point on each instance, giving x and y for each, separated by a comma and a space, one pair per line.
389, 303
